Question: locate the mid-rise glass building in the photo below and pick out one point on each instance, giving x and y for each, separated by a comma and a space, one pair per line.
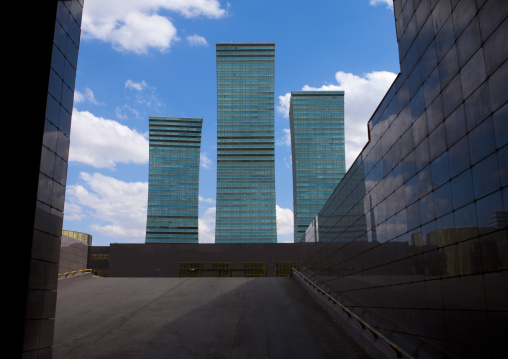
316, 120
173, 183
245, 210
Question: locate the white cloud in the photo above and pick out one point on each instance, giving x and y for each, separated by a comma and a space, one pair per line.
362, 95
121, 112
285, 140
283, 106
284, 221
136, 26
103, 143
206, 162
137, 32
138, 86
389, 3
196, 40
206, 225
87, 96
206, 200
118, 208
144, 95
73, 212
288, 161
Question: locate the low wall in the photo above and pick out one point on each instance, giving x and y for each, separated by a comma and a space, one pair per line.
168, 259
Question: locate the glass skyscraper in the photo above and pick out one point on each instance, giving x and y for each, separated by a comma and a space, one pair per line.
245, 210
316, 120
173, 183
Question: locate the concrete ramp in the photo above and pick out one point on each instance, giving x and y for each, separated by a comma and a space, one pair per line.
181, 318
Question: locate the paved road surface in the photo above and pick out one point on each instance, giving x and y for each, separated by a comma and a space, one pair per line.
151, 318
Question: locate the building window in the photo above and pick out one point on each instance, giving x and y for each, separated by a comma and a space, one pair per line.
191, 270
283, 269
255, 269
99, 257
224, 269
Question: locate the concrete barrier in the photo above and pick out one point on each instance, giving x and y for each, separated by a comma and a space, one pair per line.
62, 279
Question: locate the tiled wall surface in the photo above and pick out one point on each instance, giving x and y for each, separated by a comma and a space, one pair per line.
47, 227
414, 238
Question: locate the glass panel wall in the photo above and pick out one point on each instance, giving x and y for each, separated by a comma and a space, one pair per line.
414, 237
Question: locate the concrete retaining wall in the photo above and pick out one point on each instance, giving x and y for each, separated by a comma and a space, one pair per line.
164, 259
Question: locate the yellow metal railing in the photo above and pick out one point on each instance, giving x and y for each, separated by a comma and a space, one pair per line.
400, 352
74, 272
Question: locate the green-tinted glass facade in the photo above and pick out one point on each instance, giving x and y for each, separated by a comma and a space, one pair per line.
245, 210
316, 119
173, 183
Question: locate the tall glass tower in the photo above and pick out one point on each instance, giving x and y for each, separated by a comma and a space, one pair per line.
173, 182
245, 209
316, 120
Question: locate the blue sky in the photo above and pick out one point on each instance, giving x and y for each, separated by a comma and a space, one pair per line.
140, 58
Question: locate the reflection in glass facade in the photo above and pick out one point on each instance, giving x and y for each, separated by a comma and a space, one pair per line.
173, 183
245, 210
316, 121
414, 238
